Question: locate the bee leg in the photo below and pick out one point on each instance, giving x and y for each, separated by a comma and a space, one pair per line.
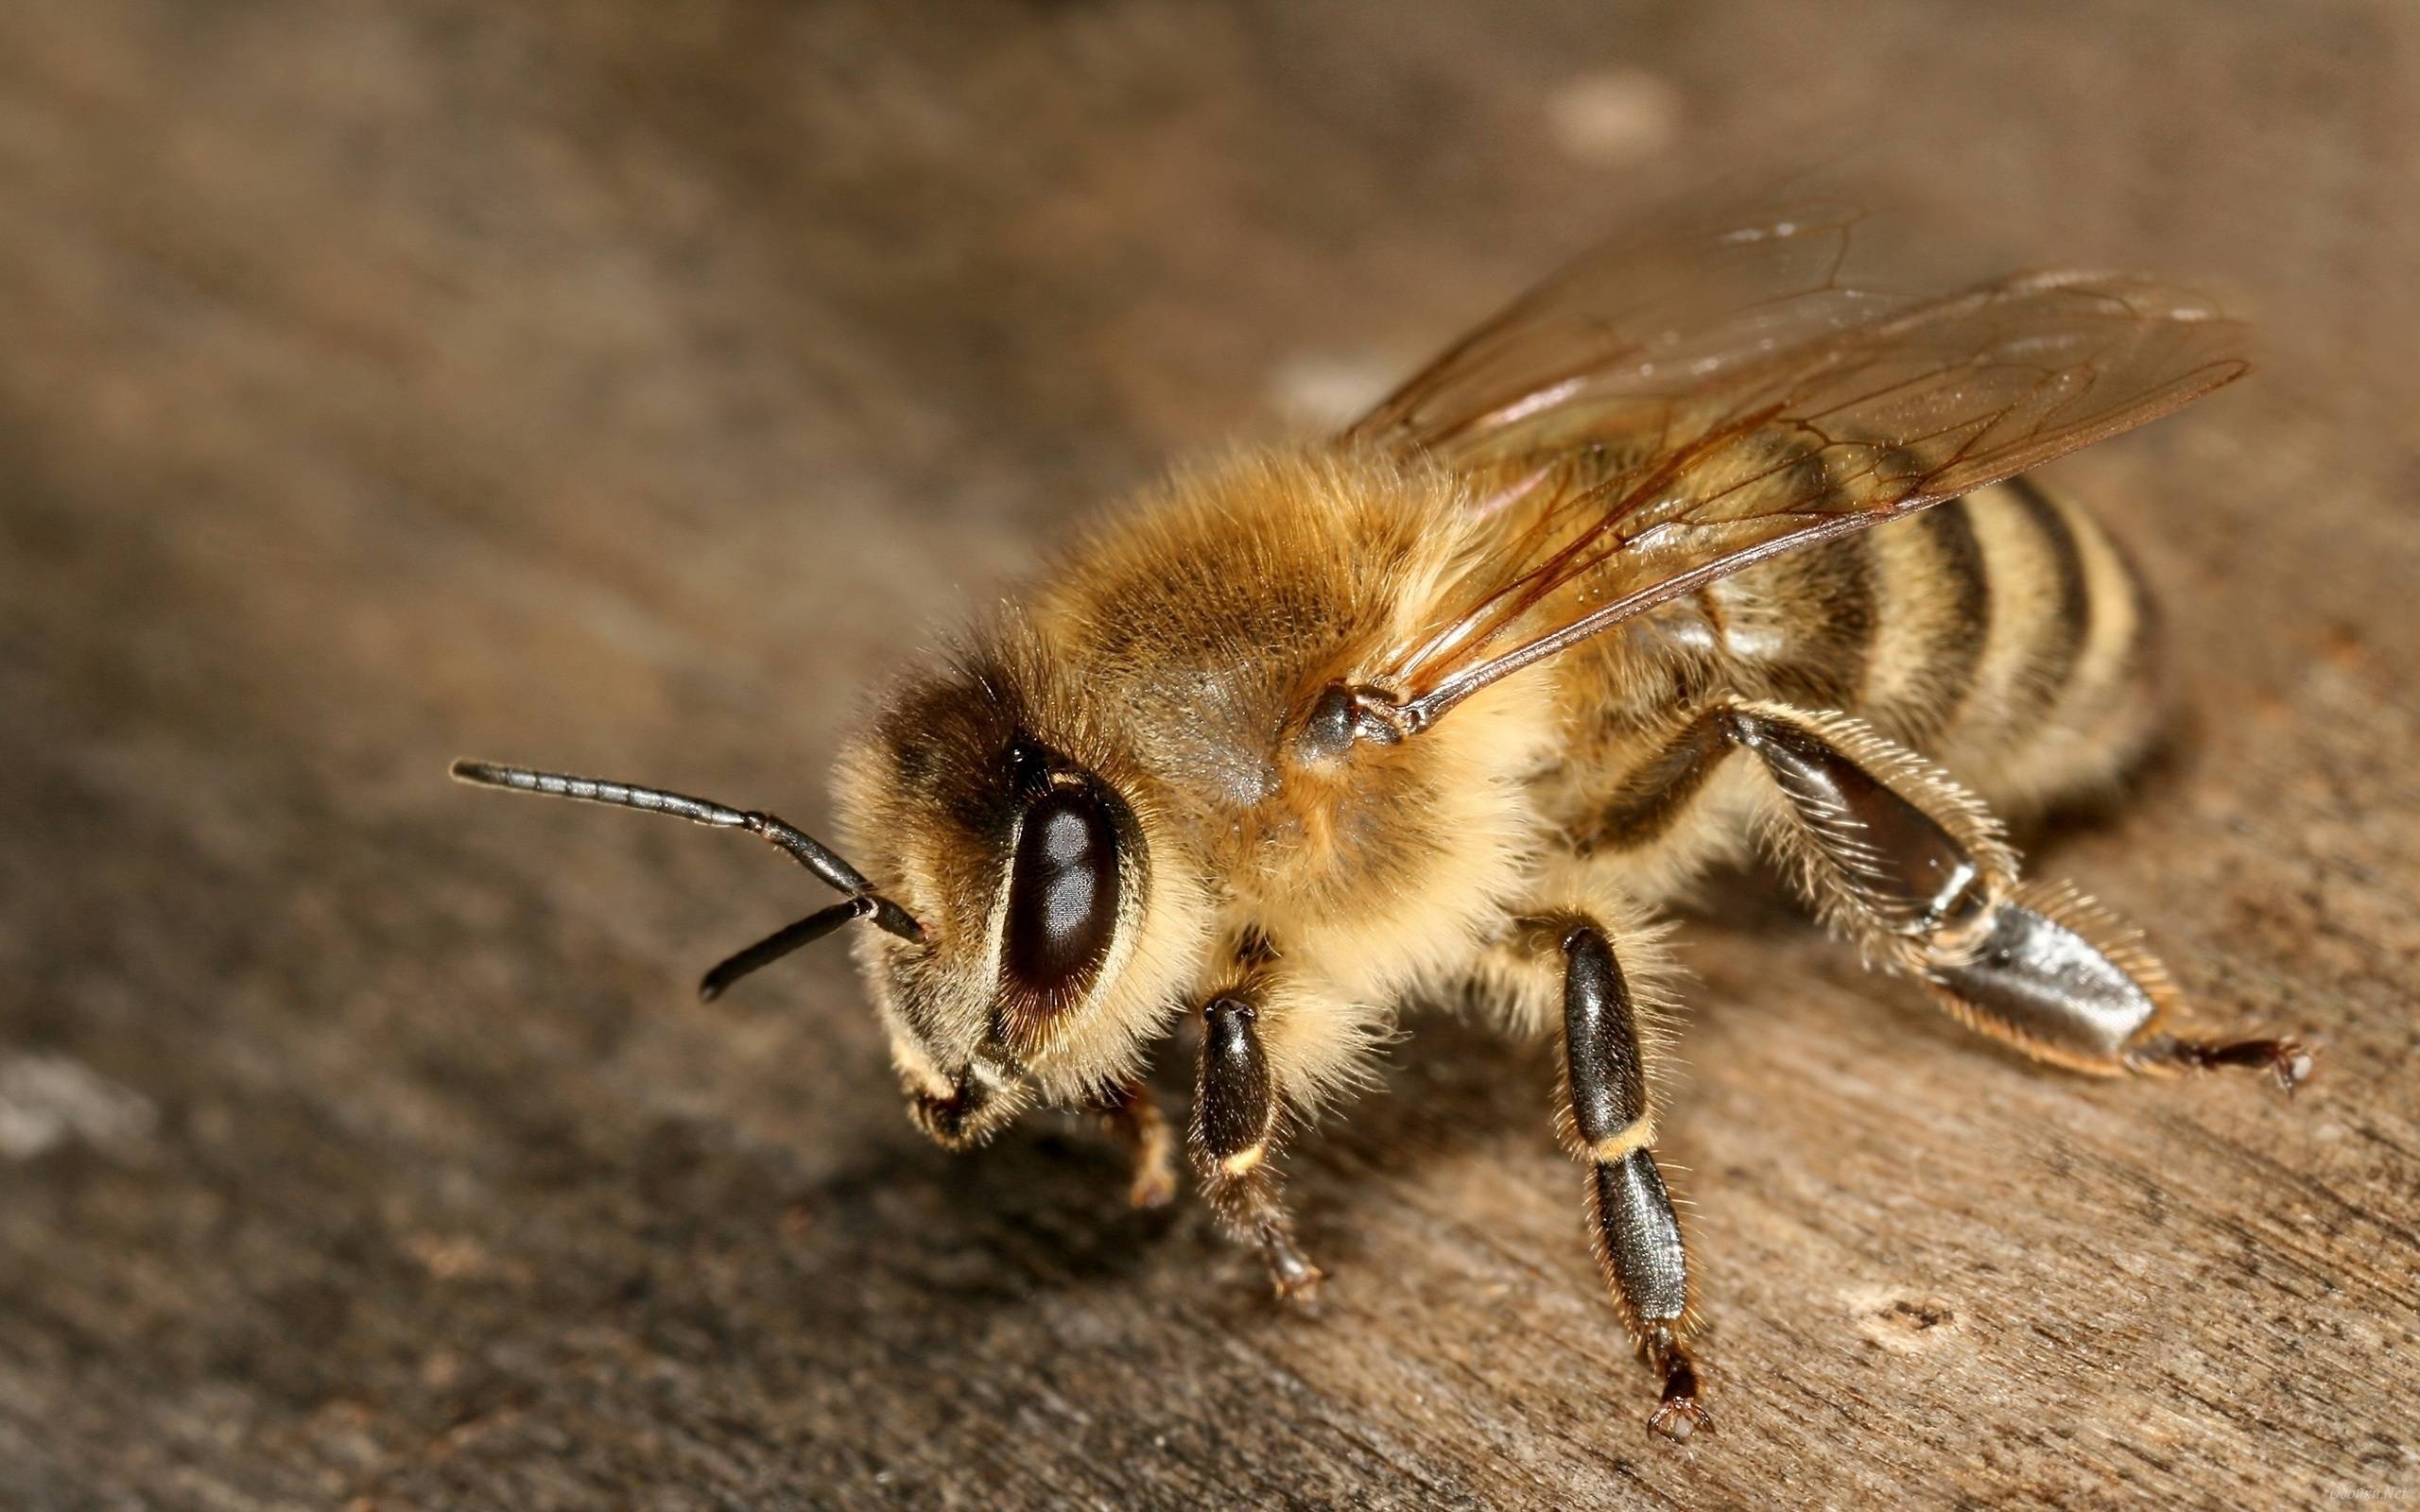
1133, 1119
1609, 1122
2059, 977
1235, 1119
1910, 866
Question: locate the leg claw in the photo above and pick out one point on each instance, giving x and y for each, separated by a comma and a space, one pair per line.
2291, 1065
1679, 1414
1677, 1417
2288, 1064
1154, 1186
1293, 1276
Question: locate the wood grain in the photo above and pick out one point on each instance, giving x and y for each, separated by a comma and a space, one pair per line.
631, 388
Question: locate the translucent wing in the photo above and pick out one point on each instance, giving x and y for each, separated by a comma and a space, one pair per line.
1630, 318
1646, 437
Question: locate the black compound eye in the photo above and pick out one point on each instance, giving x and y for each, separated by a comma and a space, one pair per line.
1063, 891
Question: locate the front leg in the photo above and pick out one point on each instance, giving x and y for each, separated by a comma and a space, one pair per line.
1133, 1118
1235, 1120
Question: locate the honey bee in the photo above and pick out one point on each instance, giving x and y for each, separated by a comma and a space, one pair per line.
1697, 553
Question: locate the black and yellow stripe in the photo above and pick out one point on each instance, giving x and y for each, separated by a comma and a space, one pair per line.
2003, 634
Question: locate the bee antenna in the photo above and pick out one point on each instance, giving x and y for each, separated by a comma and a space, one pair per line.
781, 941
863, 902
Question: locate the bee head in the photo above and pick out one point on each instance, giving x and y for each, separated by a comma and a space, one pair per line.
1025, 846
1025, 938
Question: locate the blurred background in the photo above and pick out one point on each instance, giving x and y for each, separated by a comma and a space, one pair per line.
631, 388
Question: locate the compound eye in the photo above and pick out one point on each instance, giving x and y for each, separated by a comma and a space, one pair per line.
1062, 891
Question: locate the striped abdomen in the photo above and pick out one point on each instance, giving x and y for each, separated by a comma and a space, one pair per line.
2003, 634
2012, 642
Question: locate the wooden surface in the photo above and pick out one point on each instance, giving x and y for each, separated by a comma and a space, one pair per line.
629, 389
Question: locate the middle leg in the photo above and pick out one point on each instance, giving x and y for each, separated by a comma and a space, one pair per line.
1607, 1121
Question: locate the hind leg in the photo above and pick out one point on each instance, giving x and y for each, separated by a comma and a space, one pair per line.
1902, 861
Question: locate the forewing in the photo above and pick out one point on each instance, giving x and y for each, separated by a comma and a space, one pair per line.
1646, 480
1634, 319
